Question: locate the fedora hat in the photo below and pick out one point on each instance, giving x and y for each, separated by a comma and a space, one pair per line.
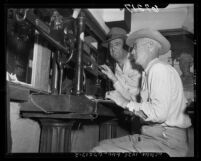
115, 33
152, 34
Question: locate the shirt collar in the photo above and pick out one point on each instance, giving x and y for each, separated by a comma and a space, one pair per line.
152, 62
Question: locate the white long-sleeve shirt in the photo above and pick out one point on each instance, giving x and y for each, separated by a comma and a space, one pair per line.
127, 81
163, 99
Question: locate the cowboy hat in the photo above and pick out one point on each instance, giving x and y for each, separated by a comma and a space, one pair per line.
115, 33
152, 34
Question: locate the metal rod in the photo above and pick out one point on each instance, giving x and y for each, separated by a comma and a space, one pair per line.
78, 80
60, 79
54, 84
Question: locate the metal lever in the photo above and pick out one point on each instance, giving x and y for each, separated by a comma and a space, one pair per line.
61, 61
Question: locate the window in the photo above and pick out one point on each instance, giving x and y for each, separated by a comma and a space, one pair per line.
28, 54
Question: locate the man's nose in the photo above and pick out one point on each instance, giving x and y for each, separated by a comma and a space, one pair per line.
133, 53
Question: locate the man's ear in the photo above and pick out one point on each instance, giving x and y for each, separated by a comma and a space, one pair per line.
151, 46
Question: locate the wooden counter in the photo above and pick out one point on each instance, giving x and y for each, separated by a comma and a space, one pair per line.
57, 113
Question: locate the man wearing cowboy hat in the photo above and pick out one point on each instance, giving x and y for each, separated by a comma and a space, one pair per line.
185, 62
125, 79
163, 102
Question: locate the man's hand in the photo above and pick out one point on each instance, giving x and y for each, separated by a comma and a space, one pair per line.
128, 112
107, 71
141, 114
117, 98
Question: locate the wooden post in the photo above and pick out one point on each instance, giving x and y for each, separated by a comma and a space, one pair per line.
9, 138
41, 65
108, 130
55, 136
78, 87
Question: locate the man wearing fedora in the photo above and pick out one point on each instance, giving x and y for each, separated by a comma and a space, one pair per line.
125, 79
163, 102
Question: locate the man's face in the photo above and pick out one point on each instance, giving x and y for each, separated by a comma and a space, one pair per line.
185, 66
116, 48
140, 52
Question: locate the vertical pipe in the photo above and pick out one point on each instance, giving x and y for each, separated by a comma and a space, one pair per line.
54, 84
60, 79
78, 79
60, 66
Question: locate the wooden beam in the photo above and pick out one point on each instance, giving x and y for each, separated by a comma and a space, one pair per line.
59, 103
94, 26
8, 126
175, 32
18, 93
56, 115
41, 65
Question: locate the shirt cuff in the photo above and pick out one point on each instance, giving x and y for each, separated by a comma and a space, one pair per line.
134, 106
